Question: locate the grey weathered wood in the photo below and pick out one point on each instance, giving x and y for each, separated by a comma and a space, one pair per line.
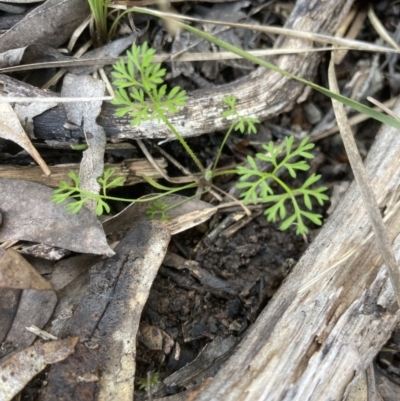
309, 345
132, 170
263, 93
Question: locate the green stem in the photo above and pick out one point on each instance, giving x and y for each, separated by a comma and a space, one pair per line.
289, 192
184, 201
183, 143
222, 146
223, 172
90, 195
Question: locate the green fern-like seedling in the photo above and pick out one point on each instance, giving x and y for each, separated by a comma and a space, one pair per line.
240, 123
139, 93
255, 184
65, 190
158, 208
154, 380
142, 94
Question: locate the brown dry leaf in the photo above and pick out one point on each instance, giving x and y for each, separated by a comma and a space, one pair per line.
17, 371
34, 308
28, 214
34, 53
9, 300
11, 129
189, 213
16, 272
70, 280
21, 308
52, 23
40, 54
68, 270
113, 49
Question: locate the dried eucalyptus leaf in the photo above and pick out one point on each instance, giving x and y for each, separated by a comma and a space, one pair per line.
11, 129
9, 300
28, 214
24, 366
51, 23
34, 308
16, 272
113, 49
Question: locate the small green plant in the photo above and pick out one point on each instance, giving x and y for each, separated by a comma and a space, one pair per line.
142, 95
160, 208
239, 123
257, 187
66, 190
154, 380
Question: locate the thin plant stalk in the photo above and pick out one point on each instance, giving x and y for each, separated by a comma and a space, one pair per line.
221, 147
184, 144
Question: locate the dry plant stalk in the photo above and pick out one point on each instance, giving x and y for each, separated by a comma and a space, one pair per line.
360, 176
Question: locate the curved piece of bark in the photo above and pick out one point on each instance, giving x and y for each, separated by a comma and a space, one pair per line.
263, 93
107, 320
310, 345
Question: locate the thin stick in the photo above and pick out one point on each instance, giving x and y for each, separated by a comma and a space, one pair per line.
149, 392
175, 162
354, 44
235, 201
150, 158
360, 175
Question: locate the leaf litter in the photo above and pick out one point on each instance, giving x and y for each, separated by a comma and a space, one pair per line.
16, 272
29, 214
22, 367
87, 286
52, 23
12, 130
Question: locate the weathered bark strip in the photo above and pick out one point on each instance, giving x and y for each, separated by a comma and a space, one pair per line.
107, 319
132, 170
310, 345
263, 93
